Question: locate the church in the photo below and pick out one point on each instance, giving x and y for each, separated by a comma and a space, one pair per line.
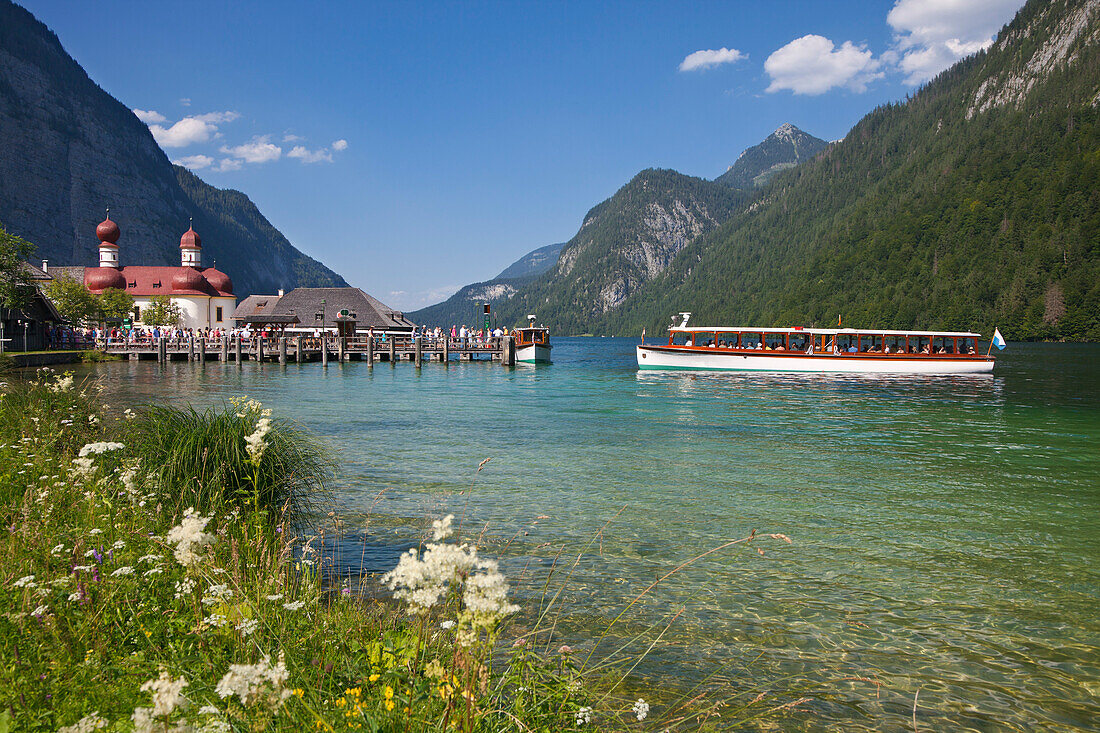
204, 295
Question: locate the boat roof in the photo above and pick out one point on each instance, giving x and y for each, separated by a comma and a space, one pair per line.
825, 331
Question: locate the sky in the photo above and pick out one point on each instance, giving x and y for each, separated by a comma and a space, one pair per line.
417, 147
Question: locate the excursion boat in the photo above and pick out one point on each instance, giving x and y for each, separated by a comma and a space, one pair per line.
816, 350
533, 343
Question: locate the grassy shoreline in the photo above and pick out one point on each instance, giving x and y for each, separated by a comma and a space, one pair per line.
156, 575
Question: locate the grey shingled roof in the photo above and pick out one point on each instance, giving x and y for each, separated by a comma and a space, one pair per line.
305, 303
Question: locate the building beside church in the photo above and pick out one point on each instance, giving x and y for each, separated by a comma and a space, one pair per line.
204, 295
342, 311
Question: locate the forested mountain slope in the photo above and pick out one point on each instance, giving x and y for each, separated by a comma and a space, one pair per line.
783, 149
974, 203
70, 150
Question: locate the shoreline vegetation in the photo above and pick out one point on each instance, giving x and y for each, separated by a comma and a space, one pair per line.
164, 571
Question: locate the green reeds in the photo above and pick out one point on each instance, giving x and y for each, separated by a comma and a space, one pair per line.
201, 460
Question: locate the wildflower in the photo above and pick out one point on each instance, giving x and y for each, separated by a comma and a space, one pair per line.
190, 539
441, 528
254, 443
220, 591
94, 531
275, 597
216, 726
522, 641
641, 709
152, 571
446, 624
248, 626
584, 715
118, 545
149, 558
63, 384
565, 649
374, 676
84, 466
75, 596
295, 606
167, 694
388, 693
40, 611
27, 581
99, 448
208, 710
87, 724
57, 549
83, 568
252, 683
184, 587
216, 620
124, 570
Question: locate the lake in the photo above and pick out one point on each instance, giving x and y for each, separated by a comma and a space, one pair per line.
945, 531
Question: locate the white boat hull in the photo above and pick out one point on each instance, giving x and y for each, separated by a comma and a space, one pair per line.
672, 358
533, 354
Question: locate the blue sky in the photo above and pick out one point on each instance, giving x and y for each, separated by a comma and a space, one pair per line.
417, 147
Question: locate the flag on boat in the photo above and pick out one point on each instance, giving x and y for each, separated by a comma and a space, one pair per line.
998, 339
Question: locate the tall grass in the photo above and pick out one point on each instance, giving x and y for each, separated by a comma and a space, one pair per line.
200, 459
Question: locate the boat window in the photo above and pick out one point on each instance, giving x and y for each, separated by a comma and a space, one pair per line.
775, 341
943, 345
727, 339
680, 338
919, 344
896, 344
968, 345
798, 341
849, 343
752, 340
704, 338
870, 344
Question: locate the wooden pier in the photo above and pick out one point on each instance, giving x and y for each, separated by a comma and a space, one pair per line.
300, 349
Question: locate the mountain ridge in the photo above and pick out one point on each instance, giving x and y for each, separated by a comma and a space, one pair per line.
72, 150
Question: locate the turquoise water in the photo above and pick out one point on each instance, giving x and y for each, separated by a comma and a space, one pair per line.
945, 531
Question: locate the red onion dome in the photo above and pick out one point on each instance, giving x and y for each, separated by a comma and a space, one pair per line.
187, 278
107, 231
101, 278
190, 239
219, 280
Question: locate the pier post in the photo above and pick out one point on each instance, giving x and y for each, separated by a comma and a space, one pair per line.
393, 350
298, 349
225, 348
370, 350
324, 348
282, 349
260, 349
508, 351
418, 345
237, 348
202, 349
340, 350
190, 348
446, 349
162, 350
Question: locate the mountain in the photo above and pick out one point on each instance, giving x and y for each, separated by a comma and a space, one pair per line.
623, 242
532, 263
785, 148
974, 203
70, 150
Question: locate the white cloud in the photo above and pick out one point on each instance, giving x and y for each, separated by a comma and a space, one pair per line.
185, 101
289, 138
195, 162
188, 131
933, 34
340, 144
229, 164
310, 156
705, 59
258, 150
149, 116
185, 132
814, 65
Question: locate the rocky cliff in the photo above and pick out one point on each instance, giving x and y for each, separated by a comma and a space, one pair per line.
70, 150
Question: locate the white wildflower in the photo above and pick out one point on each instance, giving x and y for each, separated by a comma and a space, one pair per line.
184, 587
27, 581
149, 558
441, 528
446, 624
208, 710
63, 384
255, 443
294, 606
124, 570
57, 549
99, 448
216, 620
152, 571
94, 531
118, 545
190, 539
253, 683
40, 611
641, 709
83, 568
248, 626
216, 726
275, 597
83, 466
486, 594
87, 724
584, 715
220, 591
167, 694
75, 596
90, 553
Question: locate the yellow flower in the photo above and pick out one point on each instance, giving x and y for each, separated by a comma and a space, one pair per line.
299, 692
341, 702
389, 704
388, 692
374, 677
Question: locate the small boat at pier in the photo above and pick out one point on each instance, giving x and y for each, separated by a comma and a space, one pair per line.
816, 350
532, 343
